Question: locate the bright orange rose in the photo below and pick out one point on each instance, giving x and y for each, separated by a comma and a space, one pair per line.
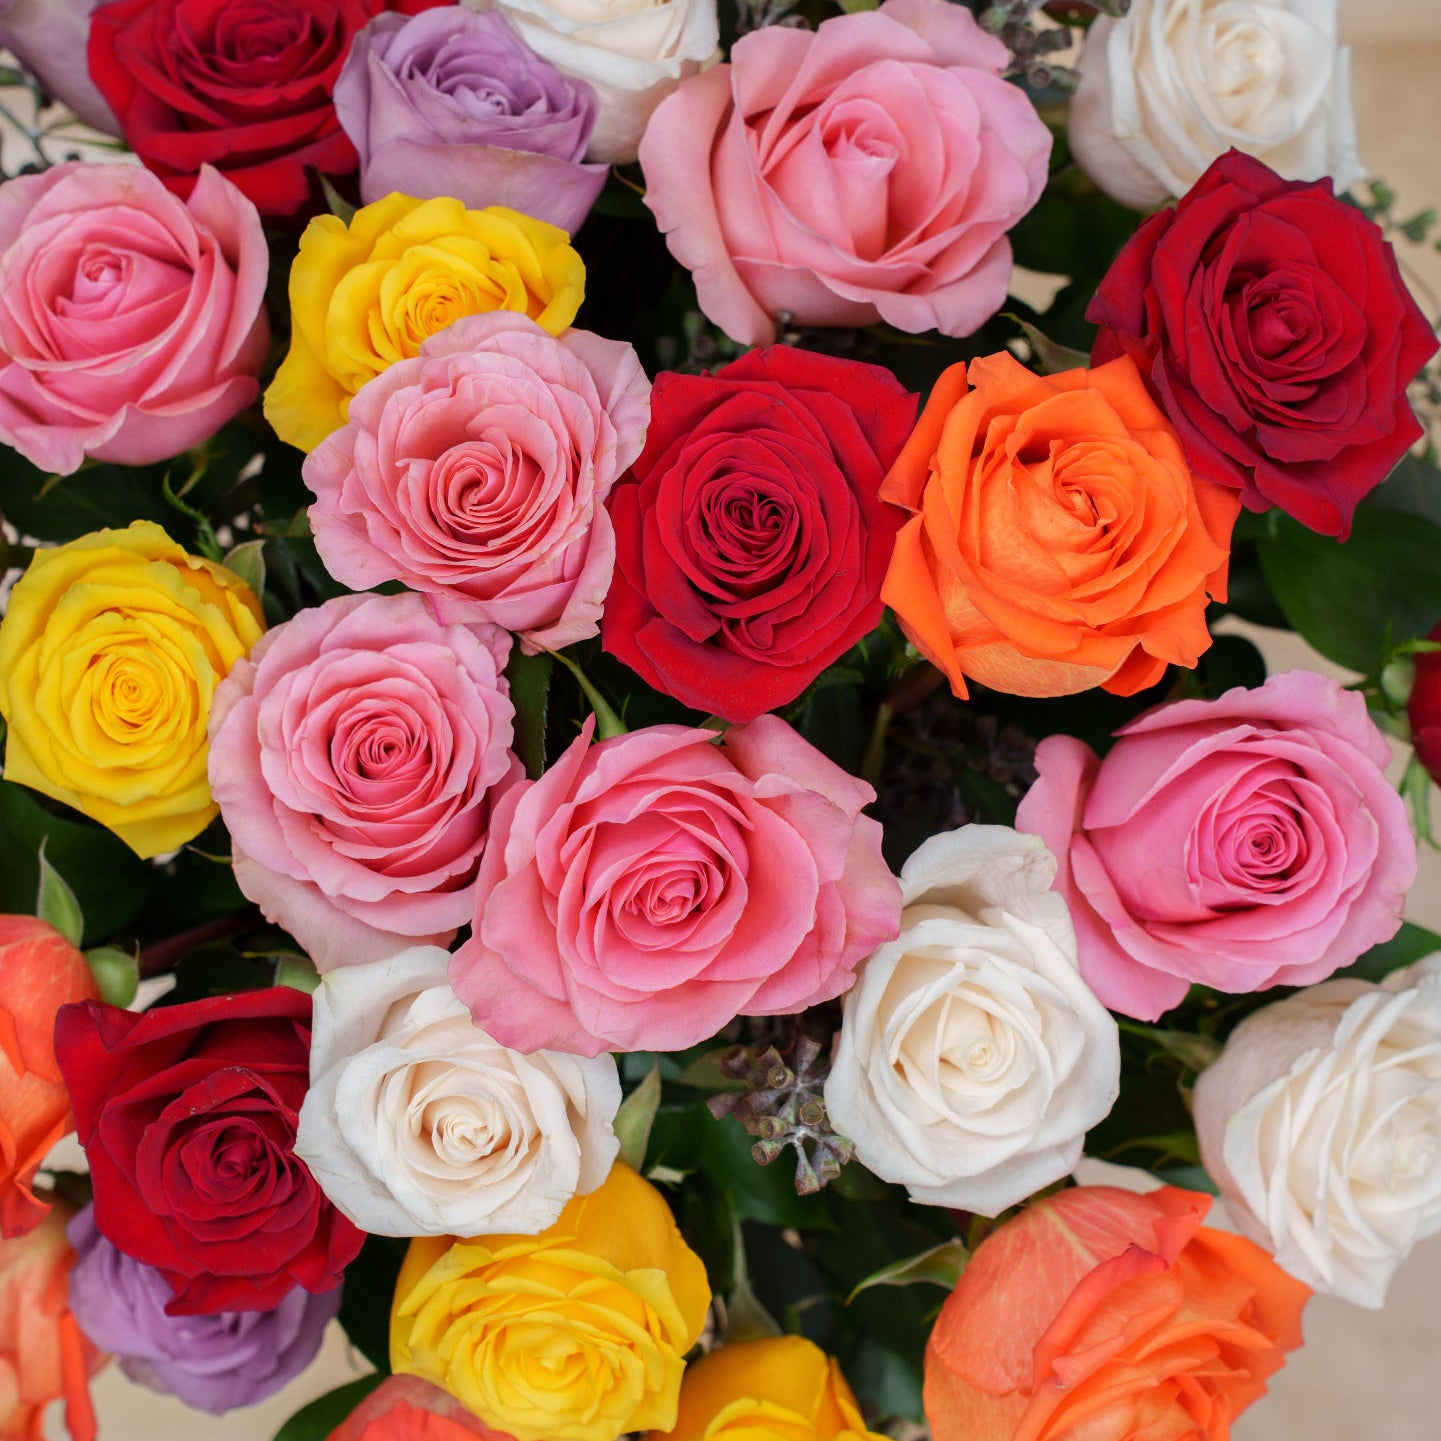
1099, 1315
1058, 540
40, 971
43, 1354
405, 1408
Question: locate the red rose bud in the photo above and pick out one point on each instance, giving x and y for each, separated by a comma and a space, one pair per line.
1424, 708
1273, 327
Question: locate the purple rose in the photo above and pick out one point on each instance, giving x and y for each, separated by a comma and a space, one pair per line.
213, 1363
450, 102
49, 38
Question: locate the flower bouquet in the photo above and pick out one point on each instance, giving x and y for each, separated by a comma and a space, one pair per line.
629, 719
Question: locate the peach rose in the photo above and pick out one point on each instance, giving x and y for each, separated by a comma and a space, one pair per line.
1058, 540
405, 1408
1098, 1313
42, 972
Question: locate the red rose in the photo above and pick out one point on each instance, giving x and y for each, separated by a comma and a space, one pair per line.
188, 1115
243, 85
750, 540
1424, 709
1273, 327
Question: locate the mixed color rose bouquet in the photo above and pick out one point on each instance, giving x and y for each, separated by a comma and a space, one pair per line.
620, 752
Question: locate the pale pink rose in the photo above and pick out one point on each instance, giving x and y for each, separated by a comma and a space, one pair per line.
646, 890
478, 473
354, 756
1240, 843
131, 322
867, 170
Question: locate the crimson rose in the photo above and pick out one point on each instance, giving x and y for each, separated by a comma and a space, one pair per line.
1273, 327
188, 1115
1424, 708
243, 85
750, 540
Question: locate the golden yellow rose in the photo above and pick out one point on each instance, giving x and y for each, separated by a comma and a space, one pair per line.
367, 294
779, 1389
110, 651
578, 1334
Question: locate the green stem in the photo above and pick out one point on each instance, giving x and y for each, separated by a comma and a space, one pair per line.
607, 723
875, 757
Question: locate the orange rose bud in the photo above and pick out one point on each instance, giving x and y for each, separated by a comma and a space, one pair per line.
43, 1355
1101, 1314
1058, 540
40, 971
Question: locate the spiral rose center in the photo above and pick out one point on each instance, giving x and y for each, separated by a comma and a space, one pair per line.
748, 531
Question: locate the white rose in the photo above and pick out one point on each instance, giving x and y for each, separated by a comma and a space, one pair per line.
1321, 1124
634, 52
1176, 83
417, 1123
972, 1058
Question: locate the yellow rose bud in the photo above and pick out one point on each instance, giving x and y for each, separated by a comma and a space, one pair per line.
779, 1389
110, 652
577, 1334
367, 294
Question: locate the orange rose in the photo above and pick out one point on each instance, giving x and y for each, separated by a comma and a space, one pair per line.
1058, 540
40, 971
405, 1408
42, 1352
1108, 1316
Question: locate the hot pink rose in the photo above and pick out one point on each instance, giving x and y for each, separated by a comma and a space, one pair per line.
1240, 843
354, 756
131, 322
478, 473
646, 890
867, 170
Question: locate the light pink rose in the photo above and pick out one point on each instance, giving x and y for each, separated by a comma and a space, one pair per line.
354, 756
867, 170
646, 890
478, 473
131, 322
1240, 843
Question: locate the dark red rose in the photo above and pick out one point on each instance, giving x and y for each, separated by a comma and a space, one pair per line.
750, 540
1273, 327
187, 1115
243, 85
1424, 709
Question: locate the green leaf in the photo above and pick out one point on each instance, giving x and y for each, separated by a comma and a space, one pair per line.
635, 1118
116, 972
608, 724
55, 902
247, 560
529, 677
365, 1302
1413, 487
746, 1318
940, 1266
1354, 601
1050, 357
335, 202
296, 971
1409, 945
1416, 790
316, 1421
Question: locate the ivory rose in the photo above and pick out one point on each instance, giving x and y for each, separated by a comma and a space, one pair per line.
1100, 1313
477, 474
1238, 843
867, 170
418, 1124
131, 323
972, 1057
354, 758
1321, 1123
41, 972
405, 1408
633, 52
1111, 546
578, 1334
1173, 84
646, 890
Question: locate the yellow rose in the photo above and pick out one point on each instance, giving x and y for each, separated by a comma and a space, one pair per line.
578, 1334
782, 1389
110, 651
367, 294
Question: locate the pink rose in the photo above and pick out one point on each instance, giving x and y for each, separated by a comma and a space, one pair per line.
478, 473
354, 756
867, 170
1240, 843
131, 322
646, 890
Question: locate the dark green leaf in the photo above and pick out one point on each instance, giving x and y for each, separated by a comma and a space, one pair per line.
316, 1421
365, 1302
939, 1265
1408, 945
529, 677
55, 903
1231, 661
1414, 487
635, 1118
116, 972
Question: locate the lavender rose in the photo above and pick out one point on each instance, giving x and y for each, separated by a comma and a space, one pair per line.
449, 102
213, 1363
49, 38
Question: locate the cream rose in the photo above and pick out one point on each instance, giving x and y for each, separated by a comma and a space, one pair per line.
634, 52
1321, 1124
1176, 83
972, 1058
417, 1123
